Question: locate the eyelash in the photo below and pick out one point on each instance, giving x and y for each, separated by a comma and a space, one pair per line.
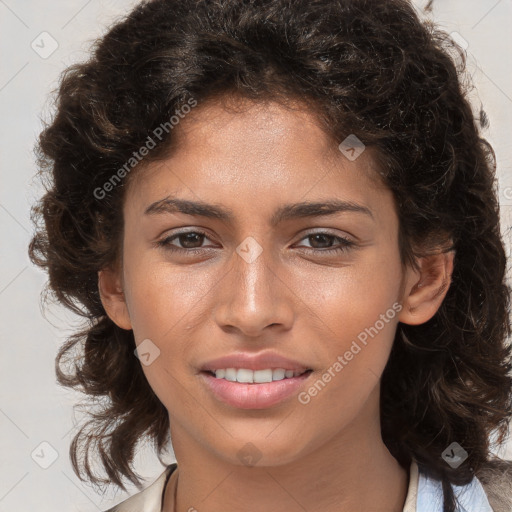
345, 243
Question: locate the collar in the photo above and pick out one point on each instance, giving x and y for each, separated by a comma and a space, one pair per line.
148, 500
471, 497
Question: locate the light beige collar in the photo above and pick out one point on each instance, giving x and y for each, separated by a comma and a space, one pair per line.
412, 492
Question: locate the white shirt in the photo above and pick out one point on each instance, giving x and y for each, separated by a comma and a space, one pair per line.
423, 495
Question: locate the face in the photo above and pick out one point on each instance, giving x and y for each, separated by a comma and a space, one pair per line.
292, 252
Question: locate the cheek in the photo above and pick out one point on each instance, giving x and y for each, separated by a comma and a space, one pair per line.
163, 298
359, 311
353, 298
164, 303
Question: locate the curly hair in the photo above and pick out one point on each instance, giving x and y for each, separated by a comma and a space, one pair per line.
371, 68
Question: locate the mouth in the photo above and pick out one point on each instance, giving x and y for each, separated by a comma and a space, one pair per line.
259, 389
248, 376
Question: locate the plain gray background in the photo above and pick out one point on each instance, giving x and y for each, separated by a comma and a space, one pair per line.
33, 409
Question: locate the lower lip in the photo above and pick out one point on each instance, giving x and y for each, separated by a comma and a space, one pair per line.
254, 396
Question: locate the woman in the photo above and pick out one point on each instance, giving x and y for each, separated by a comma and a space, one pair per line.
280, 222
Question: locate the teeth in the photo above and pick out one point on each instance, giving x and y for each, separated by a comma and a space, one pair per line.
230, 374
247, 376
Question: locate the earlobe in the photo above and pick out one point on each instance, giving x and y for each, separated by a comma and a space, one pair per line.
424, 296
113, 298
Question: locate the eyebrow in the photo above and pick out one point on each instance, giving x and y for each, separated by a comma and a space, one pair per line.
285, 212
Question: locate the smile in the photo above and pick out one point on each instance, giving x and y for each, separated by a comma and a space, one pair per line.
248, 376
254, 389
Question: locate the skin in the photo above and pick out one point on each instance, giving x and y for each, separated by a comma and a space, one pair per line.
327, 455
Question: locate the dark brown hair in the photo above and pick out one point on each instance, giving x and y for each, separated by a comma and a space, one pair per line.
366, 67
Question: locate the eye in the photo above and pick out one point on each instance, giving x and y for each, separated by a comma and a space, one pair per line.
188, 240
325, 241
192, 241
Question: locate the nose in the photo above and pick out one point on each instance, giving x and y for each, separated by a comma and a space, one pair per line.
252, 297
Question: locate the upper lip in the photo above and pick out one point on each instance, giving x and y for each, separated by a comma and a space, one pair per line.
251, 361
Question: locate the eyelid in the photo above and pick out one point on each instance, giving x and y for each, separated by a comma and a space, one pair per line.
166, 239
344, 243
327, 232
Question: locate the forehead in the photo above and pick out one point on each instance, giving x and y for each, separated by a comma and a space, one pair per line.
264, 147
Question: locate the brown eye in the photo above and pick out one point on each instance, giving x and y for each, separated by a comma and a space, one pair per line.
190, 240
186, 240
323, 243
322, 239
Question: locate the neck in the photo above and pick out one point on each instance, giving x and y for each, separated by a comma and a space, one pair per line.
353, 470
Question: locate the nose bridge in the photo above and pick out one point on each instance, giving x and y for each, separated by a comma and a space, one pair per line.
251, 265
252, 269
254, 297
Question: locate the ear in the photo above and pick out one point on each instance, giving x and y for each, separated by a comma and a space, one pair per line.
112, 297
426, 289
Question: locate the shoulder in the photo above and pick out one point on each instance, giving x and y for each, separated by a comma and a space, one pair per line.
496, 479
149, 499
489, 491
